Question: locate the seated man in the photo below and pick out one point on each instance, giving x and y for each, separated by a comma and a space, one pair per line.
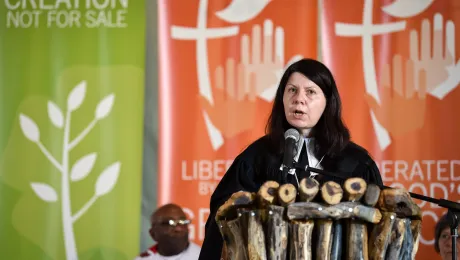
169, 228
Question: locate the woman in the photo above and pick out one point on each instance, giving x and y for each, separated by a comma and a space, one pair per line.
443, 239
307, 99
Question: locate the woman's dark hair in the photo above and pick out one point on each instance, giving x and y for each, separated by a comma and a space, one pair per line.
330, 133
444, 222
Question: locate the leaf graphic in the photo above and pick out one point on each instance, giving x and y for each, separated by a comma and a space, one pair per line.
239, 11
55, 114
44, 192
406, 8
105, 106
76, 96
29, 128
107, 179
83, 167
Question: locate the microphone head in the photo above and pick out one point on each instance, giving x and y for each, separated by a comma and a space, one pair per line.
292, 133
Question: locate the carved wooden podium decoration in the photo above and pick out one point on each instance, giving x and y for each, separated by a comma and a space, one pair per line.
356, 221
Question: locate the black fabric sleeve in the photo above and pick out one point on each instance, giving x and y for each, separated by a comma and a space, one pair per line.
373, 174
240, 176
365, 166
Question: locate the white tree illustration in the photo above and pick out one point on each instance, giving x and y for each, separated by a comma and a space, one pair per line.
80, 169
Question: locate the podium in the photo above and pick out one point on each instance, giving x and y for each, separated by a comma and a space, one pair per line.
355, 220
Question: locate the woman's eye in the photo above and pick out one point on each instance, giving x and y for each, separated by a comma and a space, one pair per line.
293, 90
310, 92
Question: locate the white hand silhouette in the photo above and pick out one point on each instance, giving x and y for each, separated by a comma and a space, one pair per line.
442, 72
260, 56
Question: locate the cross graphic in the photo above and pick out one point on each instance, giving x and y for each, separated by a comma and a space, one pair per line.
201, 33
367, 30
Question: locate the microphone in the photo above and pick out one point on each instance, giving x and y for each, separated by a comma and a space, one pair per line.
291, 137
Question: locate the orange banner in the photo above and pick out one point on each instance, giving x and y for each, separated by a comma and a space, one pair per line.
220, 65
397, 70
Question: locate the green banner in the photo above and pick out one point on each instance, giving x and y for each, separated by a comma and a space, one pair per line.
71, 115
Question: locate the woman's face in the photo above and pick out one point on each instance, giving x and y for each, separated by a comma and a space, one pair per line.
445, 245
304, 103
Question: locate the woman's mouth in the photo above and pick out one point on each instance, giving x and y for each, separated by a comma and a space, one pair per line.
298, 113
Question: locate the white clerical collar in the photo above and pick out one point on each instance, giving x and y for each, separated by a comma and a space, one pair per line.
312, 160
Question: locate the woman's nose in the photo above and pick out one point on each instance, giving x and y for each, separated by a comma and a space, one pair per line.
298, 99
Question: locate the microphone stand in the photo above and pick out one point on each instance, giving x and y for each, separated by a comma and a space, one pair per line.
453, 208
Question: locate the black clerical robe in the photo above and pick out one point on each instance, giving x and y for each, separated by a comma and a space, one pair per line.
256, 165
